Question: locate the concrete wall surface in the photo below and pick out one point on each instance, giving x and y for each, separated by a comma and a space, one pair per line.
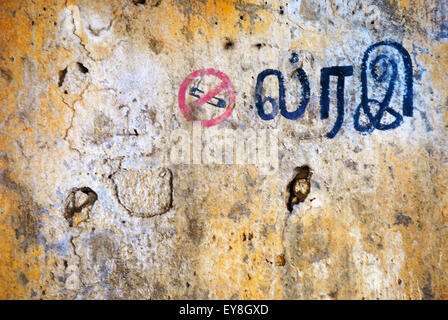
223, 149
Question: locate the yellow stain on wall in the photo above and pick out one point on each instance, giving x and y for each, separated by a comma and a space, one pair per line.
24, 31
239, 260
175, 23
405, 4
231, 260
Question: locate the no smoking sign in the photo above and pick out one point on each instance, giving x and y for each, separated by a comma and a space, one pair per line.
206, 95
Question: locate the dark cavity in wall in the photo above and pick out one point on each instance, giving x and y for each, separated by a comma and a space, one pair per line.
299, 187
228, 44
79, 202
152, 3
62, 75
82, 68
6, 74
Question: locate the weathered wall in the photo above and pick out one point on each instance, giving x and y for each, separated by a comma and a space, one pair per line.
92, 204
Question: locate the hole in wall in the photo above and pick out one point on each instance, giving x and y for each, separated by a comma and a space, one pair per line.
62, 75
229, 44
78, 205
299, 187
82, 68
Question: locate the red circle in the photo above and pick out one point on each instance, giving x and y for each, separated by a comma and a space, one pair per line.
225, 85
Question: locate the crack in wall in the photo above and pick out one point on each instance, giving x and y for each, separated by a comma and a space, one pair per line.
74, 10
79, 98
78, 264
78, 32
115, 186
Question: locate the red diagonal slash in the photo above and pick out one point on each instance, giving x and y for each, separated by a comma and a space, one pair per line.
209, 95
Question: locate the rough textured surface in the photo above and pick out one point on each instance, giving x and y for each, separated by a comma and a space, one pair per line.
144, 192
89, 95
